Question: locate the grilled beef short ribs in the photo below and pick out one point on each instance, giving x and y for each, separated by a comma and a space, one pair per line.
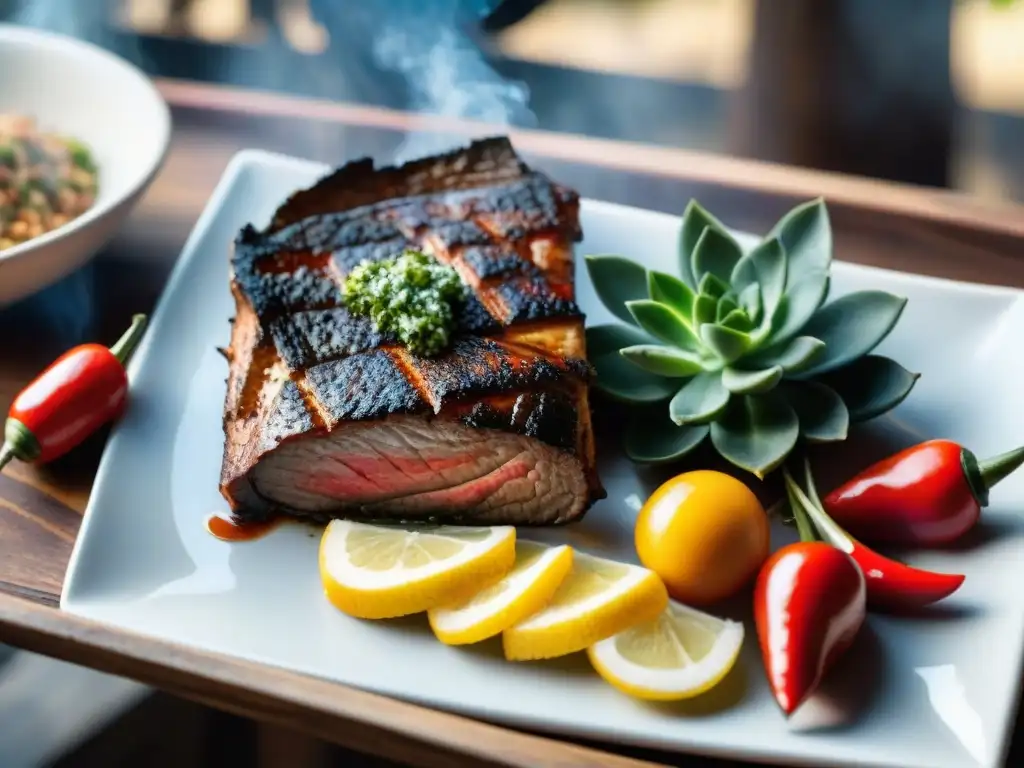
327, 417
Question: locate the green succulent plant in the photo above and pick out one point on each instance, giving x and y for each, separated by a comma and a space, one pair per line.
740, 345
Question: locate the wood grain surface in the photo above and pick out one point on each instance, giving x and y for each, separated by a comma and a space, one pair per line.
913, 229
362, 721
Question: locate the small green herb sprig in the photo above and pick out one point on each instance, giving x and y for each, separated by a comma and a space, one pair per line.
740, 345
410, 295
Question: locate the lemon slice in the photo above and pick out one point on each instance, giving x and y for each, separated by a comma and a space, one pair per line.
678, 655
377, 572
525, 590
599, 598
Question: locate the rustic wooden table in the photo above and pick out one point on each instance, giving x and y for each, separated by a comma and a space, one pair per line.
906, 228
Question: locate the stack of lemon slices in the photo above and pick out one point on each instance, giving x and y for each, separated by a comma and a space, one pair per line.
478, 583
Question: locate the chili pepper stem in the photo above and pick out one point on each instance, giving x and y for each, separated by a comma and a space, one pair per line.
992, 470
125, 346
7, 452
808, 505
982, 475
19, 443
804, 525
810, 502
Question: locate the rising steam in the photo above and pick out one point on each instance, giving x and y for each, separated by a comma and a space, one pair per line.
447, 75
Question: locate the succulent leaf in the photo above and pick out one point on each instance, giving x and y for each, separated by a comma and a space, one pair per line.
670, 290
750, 300
756, 432
700, 400
610, 338
620, 380
617, 280
744, 274
728, 343
704, 309
871, 385
654, 439
715, 253
821, 412
726, 304
738, 321
800, 302
765, 264
663, 361
663, 324
806, 234
752, 382
851, 326
695, 220
712, 286
616, 376
791, 356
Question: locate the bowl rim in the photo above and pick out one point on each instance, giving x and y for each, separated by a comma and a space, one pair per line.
162, 114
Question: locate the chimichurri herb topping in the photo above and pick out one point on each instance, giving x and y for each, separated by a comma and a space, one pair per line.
410, 295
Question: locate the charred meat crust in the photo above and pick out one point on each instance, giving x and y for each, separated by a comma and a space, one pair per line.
420, 190
301, 365
548, 416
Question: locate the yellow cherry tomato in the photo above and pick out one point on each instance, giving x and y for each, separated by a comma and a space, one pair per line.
705, 534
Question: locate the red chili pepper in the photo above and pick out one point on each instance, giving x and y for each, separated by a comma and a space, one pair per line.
890, 584
927, 494
809, 605
79, 392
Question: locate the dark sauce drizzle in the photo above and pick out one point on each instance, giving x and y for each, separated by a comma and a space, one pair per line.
226, 529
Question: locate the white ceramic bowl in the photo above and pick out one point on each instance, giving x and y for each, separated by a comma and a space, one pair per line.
81, 90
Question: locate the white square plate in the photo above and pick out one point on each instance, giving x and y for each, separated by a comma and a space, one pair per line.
931, 692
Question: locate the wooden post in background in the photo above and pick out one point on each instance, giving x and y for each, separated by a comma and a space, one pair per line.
857, 86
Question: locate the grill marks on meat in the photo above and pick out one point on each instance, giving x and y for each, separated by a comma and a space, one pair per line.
327, 416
